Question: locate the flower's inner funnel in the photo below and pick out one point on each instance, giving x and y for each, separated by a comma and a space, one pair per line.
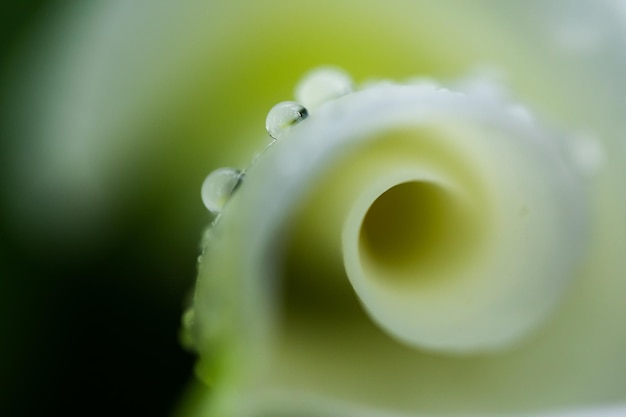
422, 224
406, 227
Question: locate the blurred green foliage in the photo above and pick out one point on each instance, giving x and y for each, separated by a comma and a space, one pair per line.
86, 329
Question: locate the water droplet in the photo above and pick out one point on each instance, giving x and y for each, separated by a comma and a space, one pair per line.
283, 116
522, 113
483, 87
578, 38
188, 318
587, 153
218, 186
322, 85
425, 84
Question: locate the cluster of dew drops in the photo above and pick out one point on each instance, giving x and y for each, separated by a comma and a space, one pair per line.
317, 87
328, 83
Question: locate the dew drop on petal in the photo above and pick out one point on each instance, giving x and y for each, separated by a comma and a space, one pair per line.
322, 85
426, 84
283, 116
587, 153
188, 318
522, 113
218, 186
482, 87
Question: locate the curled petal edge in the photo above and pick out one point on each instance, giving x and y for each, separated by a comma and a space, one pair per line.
482, 218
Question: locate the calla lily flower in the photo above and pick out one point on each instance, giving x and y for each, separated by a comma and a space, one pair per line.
442, 234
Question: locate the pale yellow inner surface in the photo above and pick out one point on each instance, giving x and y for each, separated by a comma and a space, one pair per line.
404, 226
412, 228
329, 346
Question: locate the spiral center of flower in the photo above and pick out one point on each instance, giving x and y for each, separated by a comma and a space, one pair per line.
406, 227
